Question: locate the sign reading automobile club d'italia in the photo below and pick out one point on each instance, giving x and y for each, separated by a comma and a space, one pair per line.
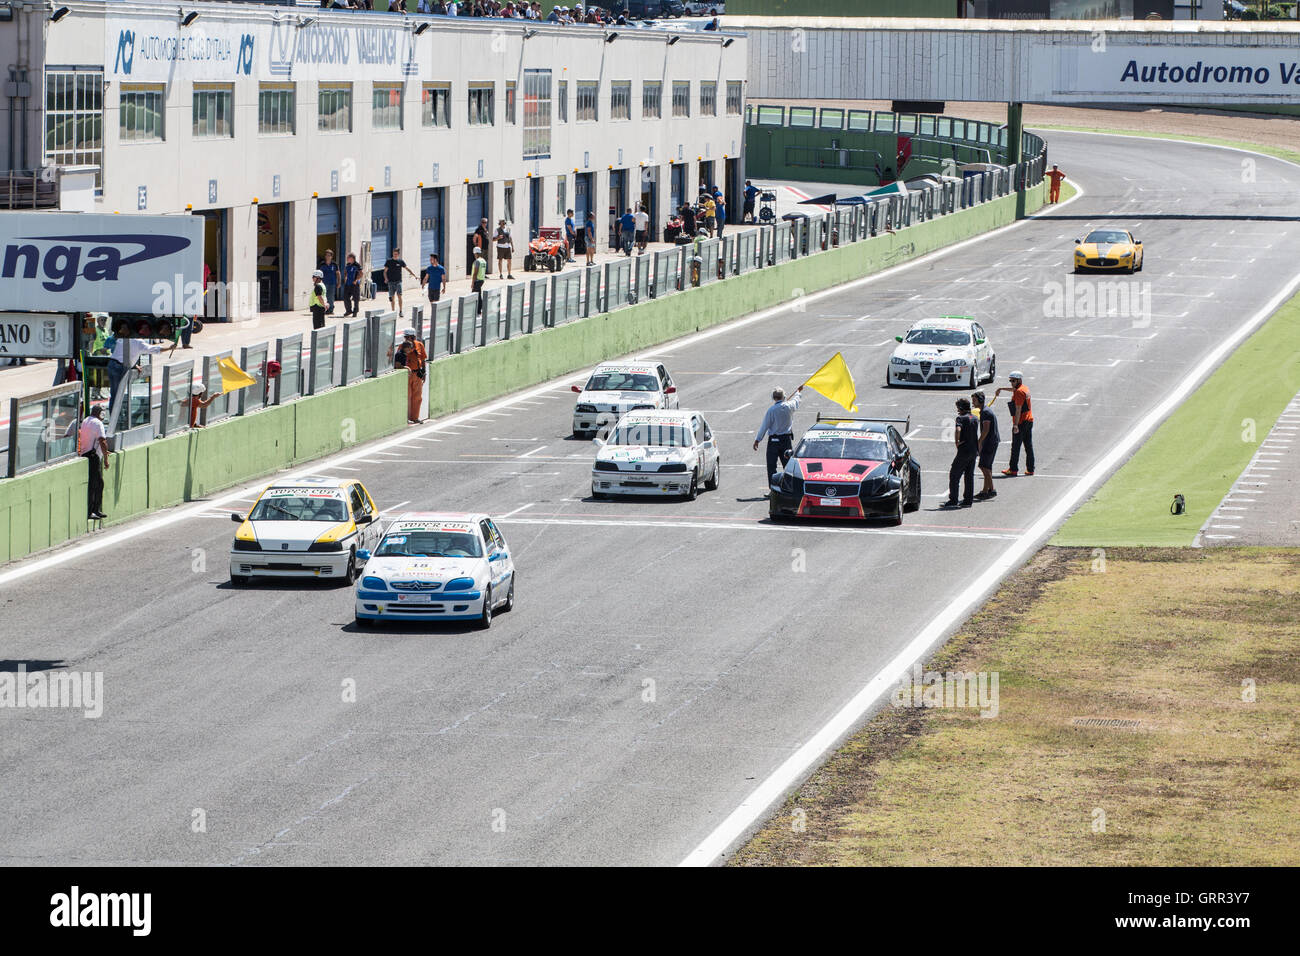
84, 262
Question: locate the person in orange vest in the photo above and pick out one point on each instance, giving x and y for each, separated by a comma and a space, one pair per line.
412, 356
1057, 177
1022, 425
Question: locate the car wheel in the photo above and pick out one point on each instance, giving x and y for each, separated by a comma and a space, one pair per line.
528, 263
485, 619
973, 377
1141, 262
510, 595
773, 515
238, 580
716, 479
897, 517
694, 491
350, 572
993, 369
915, 503
598, 495
888, 383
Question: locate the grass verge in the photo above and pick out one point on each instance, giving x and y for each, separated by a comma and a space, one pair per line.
1199, 450
1163, 637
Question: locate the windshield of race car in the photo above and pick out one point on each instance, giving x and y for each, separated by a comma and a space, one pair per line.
1107, 236
651, 433
622, 382
947, 337
430, 544
298, 508
838, 444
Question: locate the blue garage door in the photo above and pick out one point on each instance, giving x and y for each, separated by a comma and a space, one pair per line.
431, 225
383, 228
583, 193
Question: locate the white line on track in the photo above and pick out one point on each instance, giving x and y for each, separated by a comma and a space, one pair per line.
395, 507
913, 532
752, 809
516, 511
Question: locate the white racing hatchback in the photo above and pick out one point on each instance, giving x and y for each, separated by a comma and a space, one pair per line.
952, 351
435, 566
657, 453
616, 388
311, 527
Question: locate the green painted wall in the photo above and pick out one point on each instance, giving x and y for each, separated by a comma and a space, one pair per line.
844, 8
48, 507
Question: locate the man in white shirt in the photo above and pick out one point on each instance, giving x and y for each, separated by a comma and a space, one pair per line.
125, 354
778, 427
92, 445
642, 228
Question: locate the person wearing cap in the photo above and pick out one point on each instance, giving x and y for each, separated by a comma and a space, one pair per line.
962, 471
92, 445
412, 356
778, 426
988, 443
316, 300
197, 402
1022, 425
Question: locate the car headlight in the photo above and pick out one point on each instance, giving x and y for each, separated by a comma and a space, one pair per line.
459, 584
673, 466
326, 546
242, 545
899, 361
606, 466
586, 409
372, 582
958, 363
638, 408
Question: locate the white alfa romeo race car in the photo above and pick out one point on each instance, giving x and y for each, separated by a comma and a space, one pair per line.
953, 350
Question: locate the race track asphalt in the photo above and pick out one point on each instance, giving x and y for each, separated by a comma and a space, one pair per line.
663, 656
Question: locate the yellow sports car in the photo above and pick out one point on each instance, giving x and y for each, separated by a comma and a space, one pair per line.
1108, 250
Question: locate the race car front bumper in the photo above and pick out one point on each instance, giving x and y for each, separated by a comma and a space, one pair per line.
918, 374
811, 506
418, 606
1104, 264
639, 483
289, 564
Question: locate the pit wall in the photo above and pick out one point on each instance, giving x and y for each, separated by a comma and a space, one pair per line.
47, 507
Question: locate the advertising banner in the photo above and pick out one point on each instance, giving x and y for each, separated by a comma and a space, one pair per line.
1249, 72
160, 50
82, 262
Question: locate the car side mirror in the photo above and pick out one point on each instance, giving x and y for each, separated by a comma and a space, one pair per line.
237, 518
980, 341
898, 338
670, 390
1137, 242
1078, 242
576, 388
363, 555
598, 442
365, 519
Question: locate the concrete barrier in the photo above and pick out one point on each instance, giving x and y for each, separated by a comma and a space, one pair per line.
47, 507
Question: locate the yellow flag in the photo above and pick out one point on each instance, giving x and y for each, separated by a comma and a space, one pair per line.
834, 381
233, 377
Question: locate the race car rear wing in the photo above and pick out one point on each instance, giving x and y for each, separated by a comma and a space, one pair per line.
905, 422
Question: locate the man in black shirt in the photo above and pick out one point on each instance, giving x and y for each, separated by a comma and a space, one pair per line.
988, 444
393, 267
966, 438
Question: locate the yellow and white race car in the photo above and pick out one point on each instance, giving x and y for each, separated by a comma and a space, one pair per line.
1108, 250
311, 527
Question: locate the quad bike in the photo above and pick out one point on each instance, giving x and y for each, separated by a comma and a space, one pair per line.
547, 252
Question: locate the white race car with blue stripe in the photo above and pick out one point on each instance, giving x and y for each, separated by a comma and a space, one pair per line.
434, 566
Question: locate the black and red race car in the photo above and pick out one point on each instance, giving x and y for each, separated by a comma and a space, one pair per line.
848, 468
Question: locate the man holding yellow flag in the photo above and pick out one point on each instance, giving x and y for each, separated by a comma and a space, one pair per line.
778, 426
